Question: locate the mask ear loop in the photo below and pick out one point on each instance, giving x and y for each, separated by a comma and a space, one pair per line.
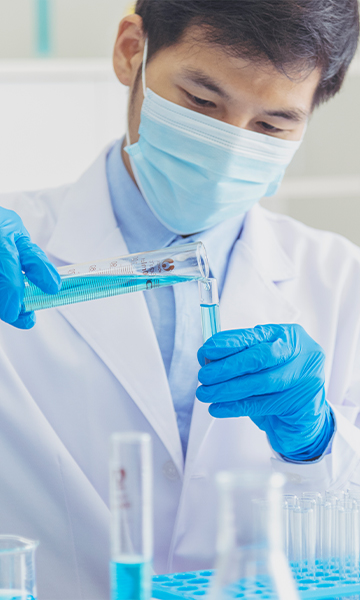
143, 67
143, 79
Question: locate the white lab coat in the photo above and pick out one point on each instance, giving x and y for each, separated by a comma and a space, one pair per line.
89, 369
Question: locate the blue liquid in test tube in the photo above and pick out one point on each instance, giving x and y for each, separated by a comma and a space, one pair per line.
131, 516
121, 275
209, 307
130, 581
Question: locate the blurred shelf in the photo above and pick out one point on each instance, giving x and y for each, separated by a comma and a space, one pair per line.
320, 187
355, 66
54, 70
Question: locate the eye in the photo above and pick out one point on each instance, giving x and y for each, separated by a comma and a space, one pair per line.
200, 101
269, 127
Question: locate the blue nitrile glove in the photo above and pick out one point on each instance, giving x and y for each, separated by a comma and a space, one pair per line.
273, 374
17, 254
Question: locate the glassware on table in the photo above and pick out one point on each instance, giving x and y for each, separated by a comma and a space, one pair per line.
121, 275
209, 307
131, 497
17, 568
250, 556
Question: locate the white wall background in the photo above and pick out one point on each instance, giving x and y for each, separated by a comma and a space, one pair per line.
78, 28
322, 185
57, 114
55, 118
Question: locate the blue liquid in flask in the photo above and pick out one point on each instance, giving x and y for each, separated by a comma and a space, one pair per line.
210, 319
131, 580
89, 287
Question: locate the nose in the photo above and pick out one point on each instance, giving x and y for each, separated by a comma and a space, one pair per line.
242, 121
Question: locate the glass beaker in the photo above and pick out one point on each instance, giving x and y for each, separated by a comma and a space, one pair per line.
250, 557
131, 499
17, 568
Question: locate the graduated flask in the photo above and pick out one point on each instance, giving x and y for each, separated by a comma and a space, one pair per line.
17, 568
250, 559
121, 275
131, 498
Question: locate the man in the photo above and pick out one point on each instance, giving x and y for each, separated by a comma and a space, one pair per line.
223, 91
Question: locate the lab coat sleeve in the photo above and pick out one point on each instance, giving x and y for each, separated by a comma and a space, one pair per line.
336, 470
339, 334
339, 467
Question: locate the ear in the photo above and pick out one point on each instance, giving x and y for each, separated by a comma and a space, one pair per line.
128, 50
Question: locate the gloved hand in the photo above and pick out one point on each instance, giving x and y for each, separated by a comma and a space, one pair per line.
17, 254
273, 374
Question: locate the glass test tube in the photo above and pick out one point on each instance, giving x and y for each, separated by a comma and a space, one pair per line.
209, 307
131, 508
328, 534
121, 275
289, 503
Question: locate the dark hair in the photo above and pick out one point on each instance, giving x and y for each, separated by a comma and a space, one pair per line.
291, 34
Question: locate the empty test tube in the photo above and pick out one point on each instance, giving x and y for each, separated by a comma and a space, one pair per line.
341, 540
319, 515
297, 539
355, 540
327, 535
308, 506
290, 502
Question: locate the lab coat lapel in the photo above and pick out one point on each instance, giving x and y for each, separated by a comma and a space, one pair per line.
250, 297
119, 329
258, 264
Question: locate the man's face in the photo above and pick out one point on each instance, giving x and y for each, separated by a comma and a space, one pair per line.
203, 78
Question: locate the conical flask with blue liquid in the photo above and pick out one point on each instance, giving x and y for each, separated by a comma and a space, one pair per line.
250, 558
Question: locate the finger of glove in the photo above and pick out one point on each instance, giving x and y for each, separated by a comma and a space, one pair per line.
11, 281
255, 407
25, 321
11, 224
298, 406
257, 358
268, 381
37, 266
227, 343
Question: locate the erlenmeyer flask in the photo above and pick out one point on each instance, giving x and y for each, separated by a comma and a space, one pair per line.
250, 559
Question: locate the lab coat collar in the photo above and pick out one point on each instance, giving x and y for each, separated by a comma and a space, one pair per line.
259, 235
86, 222
253, 293
120, 330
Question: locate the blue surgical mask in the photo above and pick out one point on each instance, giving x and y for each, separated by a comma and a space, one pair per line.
195, 171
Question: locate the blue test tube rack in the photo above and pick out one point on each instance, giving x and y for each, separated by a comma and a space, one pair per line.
196, 584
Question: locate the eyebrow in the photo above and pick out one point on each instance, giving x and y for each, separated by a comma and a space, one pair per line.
199, 78
291, 114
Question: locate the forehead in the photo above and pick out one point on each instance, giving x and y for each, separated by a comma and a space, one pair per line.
240, 79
